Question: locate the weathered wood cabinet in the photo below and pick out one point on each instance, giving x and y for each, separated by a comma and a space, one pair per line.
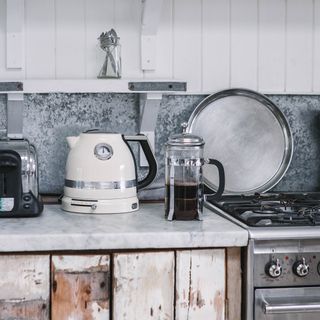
190, 284
24, 287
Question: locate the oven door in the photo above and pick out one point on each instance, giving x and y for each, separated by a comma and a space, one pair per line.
287, 303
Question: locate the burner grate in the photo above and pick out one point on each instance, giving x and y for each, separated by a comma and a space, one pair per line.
274, 209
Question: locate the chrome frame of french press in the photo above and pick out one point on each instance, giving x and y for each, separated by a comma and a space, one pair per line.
172, 163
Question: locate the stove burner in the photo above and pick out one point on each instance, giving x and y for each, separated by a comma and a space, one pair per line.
275, 209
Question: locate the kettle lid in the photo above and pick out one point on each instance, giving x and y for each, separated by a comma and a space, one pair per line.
185, 139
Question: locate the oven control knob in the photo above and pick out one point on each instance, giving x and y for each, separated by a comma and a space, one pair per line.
300, 268
274, 269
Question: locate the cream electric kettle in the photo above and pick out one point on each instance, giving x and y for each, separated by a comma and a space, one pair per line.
101, 174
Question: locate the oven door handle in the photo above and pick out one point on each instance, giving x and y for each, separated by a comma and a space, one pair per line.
291, 308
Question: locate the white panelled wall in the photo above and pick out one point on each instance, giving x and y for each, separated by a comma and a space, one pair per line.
268, 45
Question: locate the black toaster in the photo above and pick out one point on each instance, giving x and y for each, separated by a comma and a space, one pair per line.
19, 196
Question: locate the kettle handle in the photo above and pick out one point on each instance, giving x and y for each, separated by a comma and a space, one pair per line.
216, 196
144, 142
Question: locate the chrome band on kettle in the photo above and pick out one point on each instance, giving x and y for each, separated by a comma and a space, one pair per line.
100, 185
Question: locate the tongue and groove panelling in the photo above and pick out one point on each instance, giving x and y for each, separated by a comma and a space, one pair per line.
272, 45
268, 45
299, 45
316, 49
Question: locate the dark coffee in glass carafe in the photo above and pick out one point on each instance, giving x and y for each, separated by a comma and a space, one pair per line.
183, 177
186, 200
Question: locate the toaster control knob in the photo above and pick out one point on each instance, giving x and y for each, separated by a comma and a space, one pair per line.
274, 269
300, 268
27, 198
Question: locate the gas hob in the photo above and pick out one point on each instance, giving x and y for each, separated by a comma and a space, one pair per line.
273, 209
286, 215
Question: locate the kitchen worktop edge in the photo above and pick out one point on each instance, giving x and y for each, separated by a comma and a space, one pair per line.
56, 230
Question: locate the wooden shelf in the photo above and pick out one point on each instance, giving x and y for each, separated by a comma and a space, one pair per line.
112, 85
103, 85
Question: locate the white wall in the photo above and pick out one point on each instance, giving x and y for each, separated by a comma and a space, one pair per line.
266, 45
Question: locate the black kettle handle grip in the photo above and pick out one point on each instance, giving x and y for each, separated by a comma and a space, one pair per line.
144, 142
216, 196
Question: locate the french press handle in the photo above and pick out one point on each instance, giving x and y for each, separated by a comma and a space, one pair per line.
144, 142
216, 196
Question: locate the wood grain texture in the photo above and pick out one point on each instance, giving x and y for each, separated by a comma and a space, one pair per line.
187, 45
299, 46
15, 34
70, 39
316, 54
244, 42
216, 45
164, 61
99, 18
24, 310
127, 20
80, 287
271, 47
234, 283
143, 286
6, 74
200, 284
40, 39
24, 283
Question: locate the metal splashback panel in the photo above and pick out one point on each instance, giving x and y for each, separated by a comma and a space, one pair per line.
247, 133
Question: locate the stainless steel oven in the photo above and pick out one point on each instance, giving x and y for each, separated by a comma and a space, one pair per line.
287, 303
282, 279
281, 265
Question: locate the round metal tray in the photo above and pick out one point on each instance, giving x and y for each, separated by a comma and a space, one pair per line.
250, 136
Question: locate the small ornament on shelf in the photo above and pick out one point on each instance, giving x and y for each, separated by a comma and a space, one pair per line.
109, 42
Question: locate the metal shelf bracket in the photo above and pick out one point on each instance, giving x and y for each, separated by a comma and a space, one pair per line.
149, 109
15, 115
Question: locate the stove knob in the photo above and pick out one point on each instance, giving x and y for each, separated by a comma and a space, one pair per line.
300, 268
273, 269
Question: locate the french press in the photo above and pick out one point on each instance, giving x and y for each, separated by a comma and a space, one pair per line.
183, 177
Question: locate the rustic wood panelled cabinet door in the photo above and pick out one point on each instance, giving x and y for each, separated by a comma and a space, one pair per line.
234, 283
80, 287
143, 286
200, 284
24, 287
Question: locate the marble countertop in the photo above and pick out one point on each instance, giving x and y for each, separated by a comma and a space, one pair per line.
144, 229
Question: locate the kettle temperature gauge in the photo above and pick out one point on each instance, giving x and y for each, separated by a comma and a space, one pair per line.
103, 151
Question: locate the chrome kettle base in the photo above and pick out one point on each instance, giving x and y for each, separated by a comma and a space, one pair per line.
100, 206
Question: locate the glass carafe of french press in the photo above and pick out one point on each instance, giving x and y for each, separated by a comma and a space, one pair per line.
183, 176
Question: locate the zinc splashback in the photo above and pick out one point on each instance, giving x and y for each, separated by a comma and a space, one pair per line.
49, 118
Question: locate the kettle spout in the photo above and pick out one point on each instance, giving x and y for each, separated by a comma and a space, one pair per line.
72, 141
